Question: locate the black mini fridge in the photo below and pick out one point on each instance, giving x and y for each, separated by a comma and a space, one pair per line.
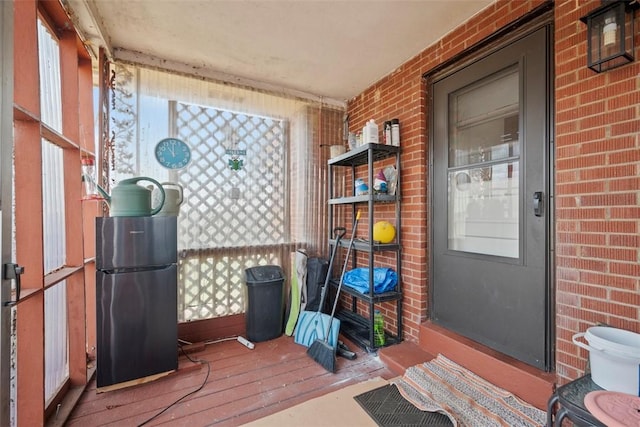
136, 299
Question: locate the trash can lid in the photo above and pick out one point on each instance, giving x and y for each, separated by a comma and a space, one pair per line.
264, 273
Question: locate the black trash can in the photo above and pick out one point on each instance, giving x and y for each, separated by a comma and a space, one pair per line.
265, 302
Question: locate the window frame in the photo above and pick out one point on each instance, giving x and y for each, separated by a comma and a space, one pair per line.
75, 142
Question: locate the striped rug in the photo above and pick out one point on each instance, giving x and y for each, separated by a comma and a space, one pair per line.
443, 386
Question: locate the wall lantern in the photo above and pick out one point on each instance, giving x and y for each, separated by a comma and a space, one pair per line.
610, 34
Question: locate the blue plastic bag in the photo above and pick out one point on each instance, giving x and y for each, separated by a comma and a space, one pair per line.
384, 279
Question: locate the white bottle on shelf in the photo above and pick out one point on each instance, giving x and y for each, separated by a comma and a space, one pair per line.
395, 132
370, 132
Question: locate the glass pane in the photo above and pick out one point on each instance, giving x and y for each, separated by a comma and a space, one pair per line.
484, 150
484, 210
53, 207
56, 358
50, 86
56, 345
483, 120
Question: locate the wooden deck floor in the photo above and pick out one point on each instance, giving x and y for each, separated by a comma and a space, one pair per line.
238, 386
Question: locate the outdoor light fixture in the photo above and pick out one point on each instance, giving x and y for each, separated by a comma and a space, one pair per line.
610, 34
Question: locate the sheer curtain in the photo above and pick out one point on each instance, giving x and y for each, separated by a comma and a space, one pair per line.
255, 189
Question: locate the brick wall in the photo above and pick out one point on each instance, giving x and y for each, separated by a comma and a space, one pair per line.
597, 190
597, 174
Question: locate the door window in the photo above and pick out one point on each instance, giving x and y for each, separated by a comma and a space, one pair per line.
483, 170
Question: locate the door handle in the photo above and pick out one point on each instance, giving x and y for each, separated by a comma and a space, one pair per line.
538, 203
12, 272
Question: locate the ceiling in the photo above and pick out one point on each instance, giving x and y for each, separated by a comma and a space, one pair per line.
327, 49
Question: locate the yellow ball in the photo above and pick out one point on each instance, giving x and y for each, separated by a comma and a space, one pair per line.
384, 232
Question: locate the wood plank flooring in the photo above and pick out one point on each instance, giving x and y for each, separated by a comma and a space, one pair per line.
238, 386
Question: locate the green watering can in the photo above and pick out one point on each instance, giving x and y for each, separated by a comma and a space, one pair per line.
130, 199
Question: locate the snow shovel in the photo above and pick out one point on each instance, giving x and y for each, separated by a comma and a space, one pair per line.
312, 325
321, 351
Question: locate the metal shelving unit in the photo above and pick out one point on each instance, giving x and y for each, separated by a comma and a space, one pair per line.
352, 324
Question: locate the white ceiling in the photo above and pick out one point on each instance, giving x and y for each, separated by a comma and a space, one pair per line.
325, 49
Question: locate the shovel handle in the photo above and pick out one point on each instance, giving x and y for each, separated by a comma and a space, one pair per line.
344, 268
339, 233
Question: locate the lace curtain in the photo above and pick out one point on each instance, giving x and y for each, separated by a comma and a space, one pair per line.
255, 189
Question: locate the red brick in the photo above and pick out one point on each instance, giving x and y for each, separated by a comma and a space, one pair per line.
625, 240
608, 172
581, 213
628, 156
615, 199
607, 280
625, 184
632, 298
608, 145
626, 269
609, 253
609, 226
582, 238
610, 307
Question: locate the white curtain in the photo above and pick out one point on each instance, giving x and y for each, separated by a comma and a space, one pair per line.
255, 190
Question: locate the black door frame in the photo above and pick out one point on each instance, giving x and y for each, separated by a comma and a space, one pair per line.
539, 18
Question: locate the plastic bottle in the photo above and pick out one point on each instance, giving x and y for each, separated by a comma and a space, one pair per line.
361, 188
370, 132
378, 329
352, 141
387, 132
89, 177
395, 132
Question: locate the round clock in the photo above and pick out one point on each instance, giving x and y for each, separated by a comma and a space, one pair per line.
173, 153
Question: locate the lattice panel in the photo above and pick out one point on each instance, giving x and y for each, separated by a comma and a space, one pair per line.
226, 207
215, 283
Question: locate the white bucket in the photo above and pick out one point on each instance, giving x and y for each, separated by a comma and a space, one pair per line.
614, 355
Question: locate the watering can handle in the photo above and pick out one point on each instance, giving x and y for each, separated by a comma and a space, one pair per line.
180, 190
587, 347
154, 182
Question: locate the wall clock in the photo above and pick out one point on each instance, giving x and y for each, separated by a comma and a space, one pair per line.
173, 153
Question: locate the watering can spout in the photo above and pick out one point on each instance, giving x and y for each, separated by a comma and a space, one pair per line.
104, 194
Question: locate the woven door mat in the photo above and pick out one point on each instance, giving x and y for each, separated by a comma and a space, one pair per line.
388, 408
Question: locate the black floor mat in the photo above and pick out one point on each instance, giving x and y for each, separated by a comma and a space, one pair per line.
388, 408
